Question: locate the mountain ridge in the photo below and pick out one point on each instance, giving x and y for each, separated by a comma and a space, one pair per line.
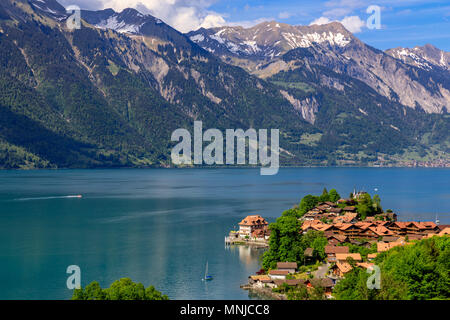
352, 56
111, 93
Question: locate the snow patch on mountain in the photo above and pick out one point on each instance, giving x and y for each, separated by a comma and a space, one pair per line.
119, 26
197, 38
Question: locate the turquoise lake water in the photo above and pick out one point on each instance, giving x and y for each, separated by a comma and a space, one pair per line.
160, 226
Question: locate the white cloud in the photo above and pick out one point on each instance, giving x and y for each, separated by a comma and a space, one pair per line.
354, 24
183, 15
213, 20
320, 21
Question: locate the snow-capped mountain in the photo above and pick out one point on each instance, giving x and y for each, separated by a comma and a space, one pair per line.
337, 101
132, 23
50, 7
268, 40
128, 21
272, 47
426, 57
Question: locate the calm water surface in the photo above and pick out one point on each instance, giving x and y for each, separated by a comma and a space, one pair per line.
160, 226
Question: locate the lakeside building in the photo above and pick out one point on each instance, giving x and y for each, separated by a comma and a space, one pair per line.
342, 224
253, 226
290, 267
278, 274
331, 251
253, 230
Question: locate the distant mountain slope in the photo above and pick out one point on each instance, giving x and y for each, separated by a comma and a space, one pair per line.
427, 57
111, 93
267, 40
261, 49
120, 97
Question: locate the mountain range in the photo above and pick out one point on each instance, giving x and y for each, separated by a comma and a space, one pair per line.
111, 93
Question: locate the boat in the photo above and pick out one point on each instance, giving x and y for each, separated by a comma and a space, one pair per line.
207, 277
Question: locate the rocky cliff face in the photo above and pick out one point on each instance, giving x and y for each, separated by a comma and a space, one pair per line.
427, 57
268, 40
400, 75
111, 93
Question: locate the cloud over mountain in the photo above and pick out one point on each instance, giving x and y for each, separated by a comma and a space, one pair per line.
184, 15
354, 24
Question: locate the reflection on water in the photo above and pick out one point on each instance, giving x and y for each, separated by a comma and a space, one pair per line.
248, 255
159, 227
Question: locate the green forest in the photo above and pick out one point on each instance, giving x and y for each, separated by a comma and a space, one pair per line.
123, 289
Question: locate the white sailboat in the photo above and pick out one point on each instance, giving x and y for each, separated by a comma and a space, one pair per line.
207, 276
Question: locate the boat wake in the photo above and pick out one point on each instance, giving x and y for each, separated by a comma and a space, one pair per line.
50, 198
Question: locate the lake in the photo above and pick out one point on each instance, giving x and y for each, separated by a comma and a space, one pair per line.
161, 226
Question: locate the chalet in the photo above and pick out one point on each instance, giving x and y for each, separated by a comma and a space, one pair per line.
334, 239
323, 208
341, 268
413, 227
261, 281
310, 216
290, 267
336, 210
261, 234
326, 206
444, 232
325, 283
361, 242
348, 217
315, 211
250, 224
381, 231
278, 274
290, 282
331, 252
308, 225
364, 224
364, 265
429, 227
344, 256
316, 225
413, 237
388, 239
349, 230
399, 228
382, 246
321, 227
383, 223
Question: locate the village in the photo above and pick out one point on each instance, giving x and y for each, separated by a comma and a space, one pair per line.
342, 227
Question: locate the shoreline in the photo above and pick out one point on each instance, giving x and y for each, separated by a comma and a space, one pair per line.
263, 293
228, 167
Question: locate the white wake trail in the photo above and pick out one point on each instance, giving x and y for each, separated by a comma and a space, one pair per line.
50, 198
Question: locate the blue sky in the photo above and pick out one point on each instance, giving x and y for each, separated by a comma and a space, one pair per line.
404, 23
